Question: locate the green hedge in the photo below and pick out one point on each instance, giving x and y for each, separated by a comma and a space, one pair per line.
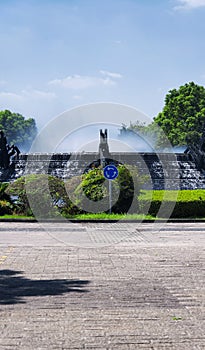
176, 204
161, 204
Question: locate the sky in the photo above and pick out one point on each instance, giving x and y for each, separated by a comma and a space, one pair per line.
57, 55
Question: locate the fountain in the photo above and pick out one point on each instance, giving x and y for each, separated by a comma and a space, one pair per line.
166, 170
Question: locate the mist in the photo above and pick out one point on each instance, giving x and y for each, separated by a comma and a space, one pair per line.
86, 139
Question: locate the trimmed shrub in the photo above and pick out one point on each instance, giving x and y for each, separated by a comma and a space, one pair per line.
92, 194
185, 203
46, 194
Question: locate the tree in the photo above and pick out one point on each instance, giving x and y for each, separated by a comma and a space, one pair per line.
182, 119
18, 130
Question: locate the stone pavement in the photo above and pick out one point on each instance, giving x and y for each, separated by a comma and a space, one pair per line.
102, 286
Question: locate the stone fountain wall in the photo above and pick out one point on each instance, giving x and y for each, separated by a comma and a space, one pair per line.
164, 170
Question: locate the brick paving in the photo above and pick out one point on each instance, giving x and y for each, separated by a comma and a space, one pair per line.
102, 286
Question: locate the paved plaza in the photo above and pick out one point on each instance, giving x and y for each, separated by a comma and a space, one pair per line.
102, 286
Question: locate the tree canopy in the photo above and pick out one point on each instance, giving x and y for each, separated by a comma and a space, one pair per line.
181, 122
18, 130
183, 116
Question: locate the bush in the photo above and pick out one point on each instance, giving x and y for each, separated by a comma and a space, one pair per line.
6, 204
50, 197
6, 208
128, 190
92, 194
185, 203
44, 193
46, 196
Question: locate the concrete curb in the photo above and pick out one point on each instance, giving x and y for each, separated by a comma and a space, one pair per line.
104, 221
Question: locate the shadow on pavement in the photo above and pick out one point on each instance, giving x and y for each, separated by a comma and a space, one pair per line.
14, 288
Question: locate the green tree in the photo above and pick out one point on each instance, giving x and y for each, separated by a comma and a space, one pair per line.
18, 130
183, 117
181, 121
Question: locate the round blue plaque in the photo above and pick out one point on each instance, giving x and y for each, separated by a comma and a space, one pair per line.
110, 172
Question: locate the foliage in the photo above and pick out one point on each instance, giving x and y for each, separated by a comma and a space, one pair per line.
16, 217
137, 126
172, 195
3, 194
181, 121
111, 217
71, 202
183, 116
18, 130
151, 133
46, 193
188, 203
47, 196
129, 184
92, 194
6, 205
92, 183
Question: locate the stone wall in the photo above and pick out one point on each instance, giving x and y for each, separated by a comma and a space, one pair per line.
164, 170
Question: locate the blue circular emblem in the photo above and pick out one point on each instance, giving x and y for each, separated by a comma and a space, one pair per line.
110, 172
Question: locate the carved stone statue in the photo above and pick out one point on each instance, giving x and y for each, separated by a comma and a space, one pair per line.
103, 146
4, 158
7, 152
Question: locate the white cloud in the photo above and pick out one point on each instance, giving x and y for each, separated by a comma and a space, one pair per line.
111, 74
26, 94
189, 4
7, 96
38, 94
78, 82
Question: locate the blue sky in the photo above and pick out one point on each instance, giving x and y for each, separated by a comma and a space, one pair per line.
56, 55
